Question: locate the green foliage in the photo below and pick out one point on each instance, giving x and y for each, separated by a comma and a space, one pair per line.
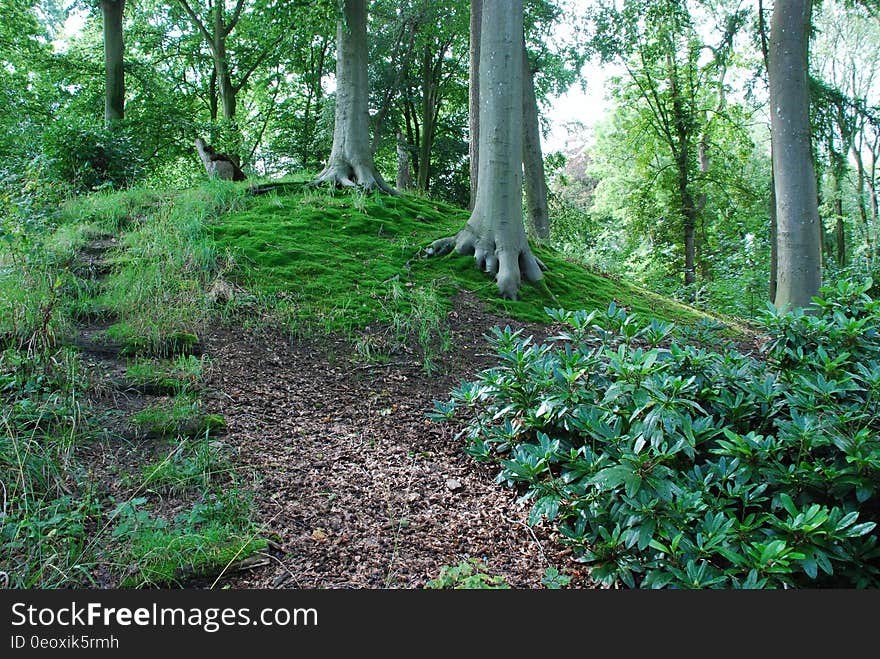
88, 157
467, 575
553, 579
167, 376
194, 463
159, 288
201, 541
416, 323
179, 416
45, 509
665, 464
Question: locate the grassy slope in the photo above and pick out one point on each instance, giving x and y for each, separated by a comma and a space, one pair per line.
336, 256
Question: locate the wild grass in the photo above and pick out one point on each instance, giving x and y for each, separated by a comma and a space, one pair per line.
56, 525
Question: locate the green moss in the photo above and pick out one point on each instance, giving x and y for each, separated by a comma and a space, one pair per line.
166, 375
150, 340
333, 255
181, 416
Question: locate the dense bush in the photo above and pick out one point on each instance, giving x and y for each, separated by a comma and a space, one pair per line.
668, 464
89, 157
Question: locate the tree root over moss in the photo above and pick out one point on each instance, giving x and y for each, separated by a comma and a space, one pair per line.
508, 264
352, 175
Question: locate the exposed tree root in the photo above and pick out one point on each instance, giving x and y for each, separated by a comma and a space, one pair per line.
350, 175
508, 264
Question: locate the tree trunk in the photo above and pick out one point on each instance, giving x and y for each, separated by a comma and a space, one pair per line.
799, 274
860, 197
681, 153
533, 157
214, 107
404, 175
774, 243
474, 96
495, 233
218, 165
351, 158
114, 51
839, 229
429, 100
221, 65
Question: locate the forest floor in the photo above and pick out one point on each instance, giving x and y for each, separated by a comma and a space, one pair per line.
353, 485
257, 392
357, 486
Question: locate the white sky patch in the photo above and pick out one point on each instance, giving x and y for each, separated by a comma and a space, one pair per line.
573, 115
72, 27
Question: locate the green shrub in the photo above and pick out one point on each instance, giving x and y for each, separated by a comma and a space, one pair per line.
90, 157
669, 465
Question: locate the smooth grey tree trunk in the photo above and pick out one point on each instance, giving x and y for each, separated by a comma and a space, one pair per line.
114, 52
533, 157
351, 158
495, 234
774, 243
799, 268
474, 96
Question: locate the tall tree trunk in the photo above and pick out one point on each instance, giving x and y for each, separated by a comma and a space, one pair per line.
351, 158
312, 111
495, 233
404, 175
533, 157
839, 232
221, 65
838, 171
429, 100
799, 274
681, 152
862, 205
872, 183
114, 52
774, 238
474, 96
214, 106
774, 245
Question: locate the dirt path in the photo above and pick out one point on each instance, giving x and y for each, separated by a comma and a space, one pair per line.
352, 482
357, 486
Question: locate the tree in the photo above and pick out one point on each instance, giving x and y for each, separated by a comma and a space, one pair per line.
351, 158
495, 234
114, 51
260, 30
417, 63
476, 20
799, 274
661, 45
533, 157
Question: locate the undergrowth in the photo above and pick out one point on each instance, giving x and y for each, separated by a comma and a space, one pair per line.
663, 464
59, 527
